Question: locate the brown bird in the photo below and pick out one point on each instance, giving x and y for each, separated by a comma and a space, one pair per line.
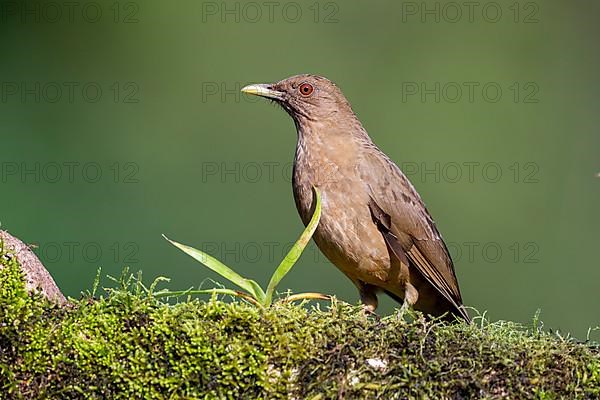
374, 226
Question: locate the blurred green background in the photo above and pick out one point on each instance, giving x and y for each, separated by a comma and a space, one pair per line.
120, 121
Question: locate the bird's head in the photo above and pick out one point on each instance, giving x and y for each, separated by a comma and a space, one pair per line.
306, 98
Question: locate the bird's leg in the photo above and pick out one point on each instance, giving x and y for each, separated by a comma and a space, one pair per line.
411, 295
368, 296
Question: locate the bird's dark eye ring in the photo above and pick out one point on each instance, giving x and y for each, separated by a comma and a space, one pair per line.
306, 89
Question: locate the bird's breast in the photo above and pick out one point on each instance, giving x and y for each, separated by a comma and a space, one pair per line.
346, 233
329, 166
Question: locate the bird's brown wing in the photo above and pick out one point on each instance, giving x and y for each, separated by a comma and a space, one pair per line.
409, 223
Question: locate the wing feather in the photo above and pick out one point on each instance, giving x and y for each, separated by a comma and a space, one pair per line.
401, 212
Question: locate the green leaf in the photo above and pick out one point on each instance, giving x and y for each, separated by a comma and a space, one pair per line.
296, 251
247, 284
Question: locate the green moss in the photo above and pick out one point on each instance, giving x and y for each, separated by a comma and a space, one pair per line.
130, 345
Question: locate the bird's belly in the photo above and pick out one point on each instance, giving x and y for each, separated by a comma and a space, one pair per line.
348, 237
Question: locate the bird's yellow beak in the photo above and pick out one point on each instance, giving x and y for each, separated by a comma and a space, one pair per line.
263, 90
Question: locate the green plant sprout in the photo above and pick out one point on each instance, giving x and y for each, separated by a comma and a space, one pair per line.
252, 292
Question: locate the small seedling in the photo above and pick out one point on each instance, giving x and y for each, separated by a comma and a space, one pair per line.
252, 291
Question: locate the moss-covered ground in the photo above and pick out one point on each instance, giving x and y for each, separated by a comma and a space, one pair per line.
129, 345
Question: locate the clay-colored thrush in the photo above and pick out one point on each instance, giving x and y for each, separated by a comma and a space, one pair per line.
374, 226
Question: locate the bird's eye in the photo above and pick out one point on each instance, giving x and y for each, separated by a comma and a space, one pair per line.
306, 89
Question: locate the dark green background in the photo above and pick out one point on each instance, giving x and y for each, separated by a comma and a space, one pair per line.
170, 57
